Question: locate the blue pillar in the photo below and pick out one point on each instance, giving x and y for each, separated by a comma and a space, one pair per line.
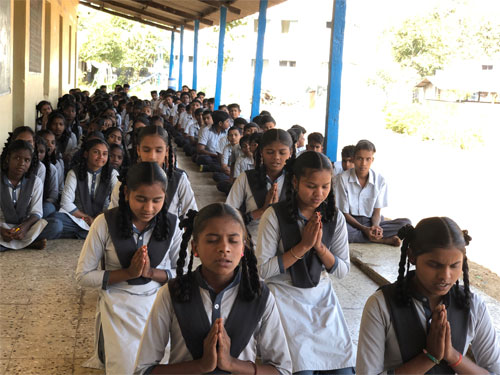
171, 66
334, 79
181, 57
220, 57
195, 54
259, 59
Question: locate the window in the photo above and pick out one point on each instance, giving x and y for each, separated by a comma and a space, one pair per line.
190, 58
69, 54
35, 60
265, 63
288, 26
288, 63
487, 67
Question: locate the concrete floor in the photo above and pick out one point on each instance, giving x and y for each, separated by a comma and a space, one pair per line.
47, 321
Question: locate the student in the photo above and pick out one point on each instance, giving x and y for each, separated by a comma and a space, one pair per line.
315, 142
300, 242
137, 243
192, 132
255, 190
87, 190
229, 156
347, 161
43, 110
245, 160
251, 128
68, 109
208, 143
114, 135
425, 321
220, 316
154, 146
50, 184
361, 194
234, 112
117, 157
267, 122
21, 201
54, 157
65, 139
25, 133
301, 141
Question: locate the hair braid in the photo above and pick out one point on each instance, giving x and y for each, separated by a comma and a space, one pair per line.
171, 156
465, 276
161, 228
406, 234
125, 217
291, 201
181, 282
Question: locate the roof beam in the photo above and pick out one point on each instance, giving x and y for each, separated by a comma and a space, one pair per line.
146, 13
218, 4
174, 11
132, 18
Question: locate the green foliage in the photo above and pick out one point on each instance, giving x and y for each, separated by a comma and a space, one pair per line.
442, 122
451, 31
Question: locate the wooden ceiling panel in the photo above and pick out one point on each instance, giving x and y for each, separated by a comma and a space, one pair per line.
172, 14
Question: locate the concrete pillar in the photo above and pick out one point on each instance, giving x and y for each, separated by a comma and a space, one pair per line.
220, 56
259, 59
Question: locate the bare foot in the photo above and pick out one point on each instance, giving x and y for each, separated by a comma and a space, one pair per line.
392, 241
37, 245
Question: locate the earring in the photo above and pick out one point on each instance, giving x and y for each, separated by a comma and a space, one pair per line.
195, 254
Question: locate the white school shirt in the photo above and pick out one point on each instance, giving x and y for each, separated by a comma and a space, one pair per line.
351, 198
314, 324
227, 151
41, 171
240, 192
71, 147
185, 121
378, 348
68, 195
242, 164
122, 308
60, 174
163, 328
53, 185
192, 129
337, 167
210, 139
182, 202
223, 142
35, 208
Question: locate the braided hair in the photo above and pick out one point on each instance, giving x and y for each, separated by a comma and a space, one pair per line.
144, 173
12, 146
153, 130
82, 167
193, 224
429, 234
307, 162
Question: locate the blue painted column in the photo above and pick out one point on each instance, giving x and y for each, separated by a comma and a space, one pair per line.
195, 54
259, 59
334, 79
181, 57
171, 66
220, 56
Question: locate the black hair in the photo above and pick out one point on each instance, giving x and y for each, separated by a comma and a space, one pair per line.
315, 138
348, 151
26, 129
39, 141
250, 125
55, 155
264, 113
308, 161
244, 139
157, 118
63, 140
152, 130
200, 93
270, 136
82, 168
144, 173
199, 111
258, 120
429, 234
295, 134
234, 128
301, 129
366, 145
39, 107
240, 121
234, 105
219, 116
267, 118
12, 146
193, 225
125, 159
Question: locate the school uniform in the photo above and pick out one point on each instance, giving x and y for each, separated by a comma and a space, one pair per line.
60, 174
210, 139
40, 171
90, 197
242, 164
316, 331
179, 196
228, 157
379, 347
337, 167
254, 327
123, 307
192, 130
249, 195
17, 203
360, 202
51, 192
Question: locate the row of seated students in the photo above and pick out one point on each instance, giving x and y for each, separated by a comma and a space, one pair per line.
262, 300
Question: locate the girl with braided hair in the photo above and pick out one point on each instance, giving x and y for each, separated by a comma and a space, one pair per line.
255, 190
154, 145
218, 317
425, 321
301, 242
86, 190
130, 251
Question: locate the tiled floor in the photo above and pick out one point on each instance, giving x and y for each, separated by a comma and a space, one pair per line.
47, 321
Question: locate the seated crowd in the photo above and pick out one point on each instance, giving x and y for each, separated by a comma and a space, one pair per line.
103, 168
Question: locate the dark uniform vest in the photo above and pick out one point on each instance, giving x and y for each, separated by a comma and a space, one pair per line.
18, 213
